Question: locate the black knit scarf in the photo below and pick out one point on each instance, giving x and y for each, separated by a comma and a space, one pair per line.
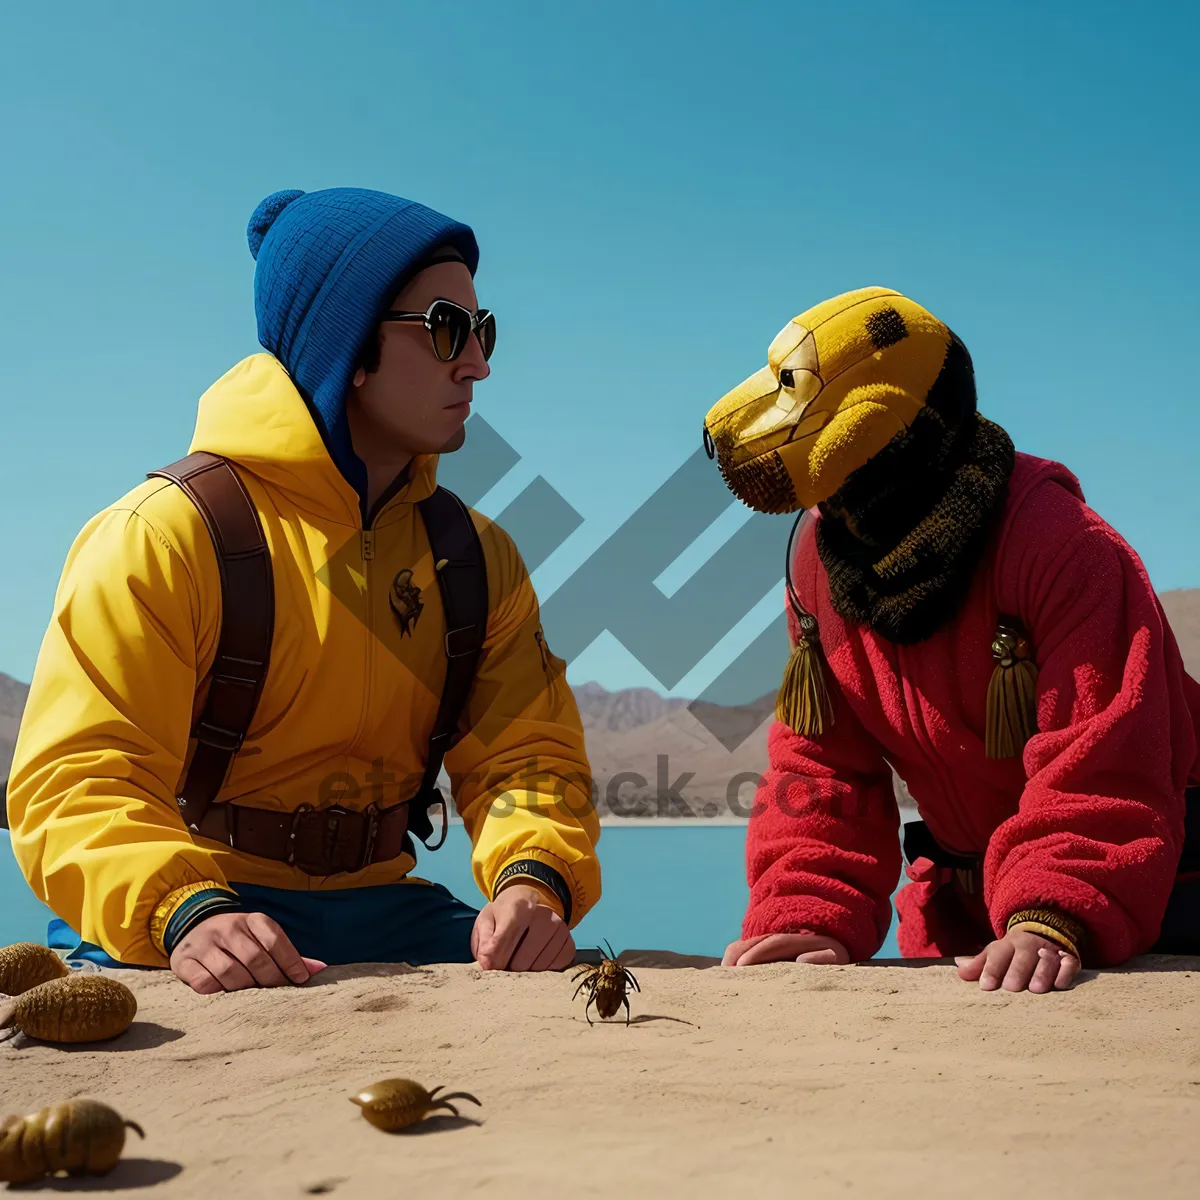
902, 537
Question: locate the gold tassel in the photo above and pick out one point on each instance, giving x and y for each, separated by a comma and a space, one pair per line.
803, 700
1012, 694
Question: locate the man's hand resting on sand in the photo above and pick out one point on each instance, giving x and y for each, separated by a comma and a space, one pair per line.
1020, 960
785, 947
517, 932
231, 951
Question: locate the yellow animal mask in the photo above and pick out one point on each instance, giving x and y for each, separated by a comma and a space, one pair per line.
843, 379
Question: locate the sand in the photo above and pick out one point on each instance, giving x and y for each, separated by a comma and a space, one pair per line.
774, 1081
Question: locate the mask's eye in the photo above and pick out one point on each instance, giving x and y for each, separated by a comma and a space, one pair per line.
787, 378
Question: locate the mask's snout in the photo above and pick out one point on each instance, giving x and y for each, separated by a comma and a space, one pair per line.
761, 483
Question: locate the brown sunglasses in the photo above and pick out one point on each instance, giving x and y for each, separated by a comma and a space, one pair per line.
450, 325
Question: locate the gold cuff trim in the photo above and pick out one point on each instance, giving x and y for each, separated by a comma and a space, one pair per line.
1052, 935
162, 915
1068, 933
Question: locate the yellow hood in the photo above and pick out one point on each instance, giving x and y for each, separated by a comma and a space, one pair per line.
255, 416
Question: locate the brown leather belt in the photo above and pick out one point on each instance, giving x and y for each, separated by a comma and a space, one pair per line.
320, 841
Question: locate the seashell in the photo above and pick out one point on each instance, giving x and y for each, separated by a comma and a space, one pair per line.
27, 964
82, 1137
393, 1104
78, 1008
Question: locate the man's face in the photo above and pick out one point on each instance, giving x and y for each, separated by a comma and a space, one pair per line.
414, 402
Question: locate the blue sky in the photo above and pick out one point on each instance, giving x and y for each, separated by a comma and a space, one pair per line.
656, 189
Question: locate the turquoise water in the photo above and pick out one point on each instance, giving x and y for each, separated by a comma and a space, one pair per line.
680, 888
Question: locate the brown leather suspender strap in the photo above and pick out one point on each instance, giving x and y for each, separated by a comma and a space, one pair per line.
247, 623
462, 580
322, 841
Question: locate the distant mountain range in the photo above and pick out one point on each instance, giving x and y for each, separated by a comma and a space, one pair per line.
641, 743
1183, 611
12, 704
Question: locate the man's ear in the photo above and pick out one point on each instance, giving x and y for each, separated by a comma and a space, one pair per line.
360, 377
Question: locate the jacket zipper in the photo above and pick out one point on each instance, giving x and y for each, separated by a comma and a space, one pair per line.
367, 547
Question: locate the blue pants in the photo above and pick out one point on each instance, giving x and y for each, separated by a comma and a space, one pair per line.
416, 923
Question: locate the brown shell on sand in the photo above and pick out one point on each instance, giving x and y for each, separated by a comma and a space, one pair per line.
393, 1104
27, 964
82, 1137
79, 1008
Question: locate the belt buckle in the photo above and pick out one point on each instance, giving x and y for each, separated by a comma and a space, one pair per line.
371, 813
322, 851
331, 843
291, 843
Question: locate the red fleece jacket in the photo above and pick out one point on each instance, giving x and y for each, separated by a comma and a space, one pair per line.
1090, 821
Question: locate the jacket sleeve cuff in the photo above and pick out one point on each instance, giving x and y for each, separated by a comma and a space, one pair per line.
545, 878
1105, 932
184, 908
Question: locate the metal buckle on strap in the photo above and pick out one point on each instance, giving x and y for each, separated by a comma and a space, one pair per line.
227, 666
456, 636
436, 797
218, 737
235, 680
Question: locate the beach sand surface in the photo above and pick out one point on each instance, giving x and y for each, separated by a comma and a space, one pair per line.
772, 1081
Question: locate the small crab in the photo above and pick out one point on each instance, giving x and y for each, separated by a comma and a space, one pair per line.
606, 982
393, 1104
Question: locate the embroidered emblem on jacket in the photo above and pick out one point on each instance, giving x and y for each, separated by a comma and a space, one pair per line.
405, 599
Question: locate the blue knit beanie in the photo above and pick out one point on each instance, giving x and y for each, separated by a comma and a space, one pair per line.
328, 264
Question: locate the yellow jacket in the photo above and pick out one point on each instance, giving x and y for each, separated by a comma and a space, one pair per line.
349, 694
